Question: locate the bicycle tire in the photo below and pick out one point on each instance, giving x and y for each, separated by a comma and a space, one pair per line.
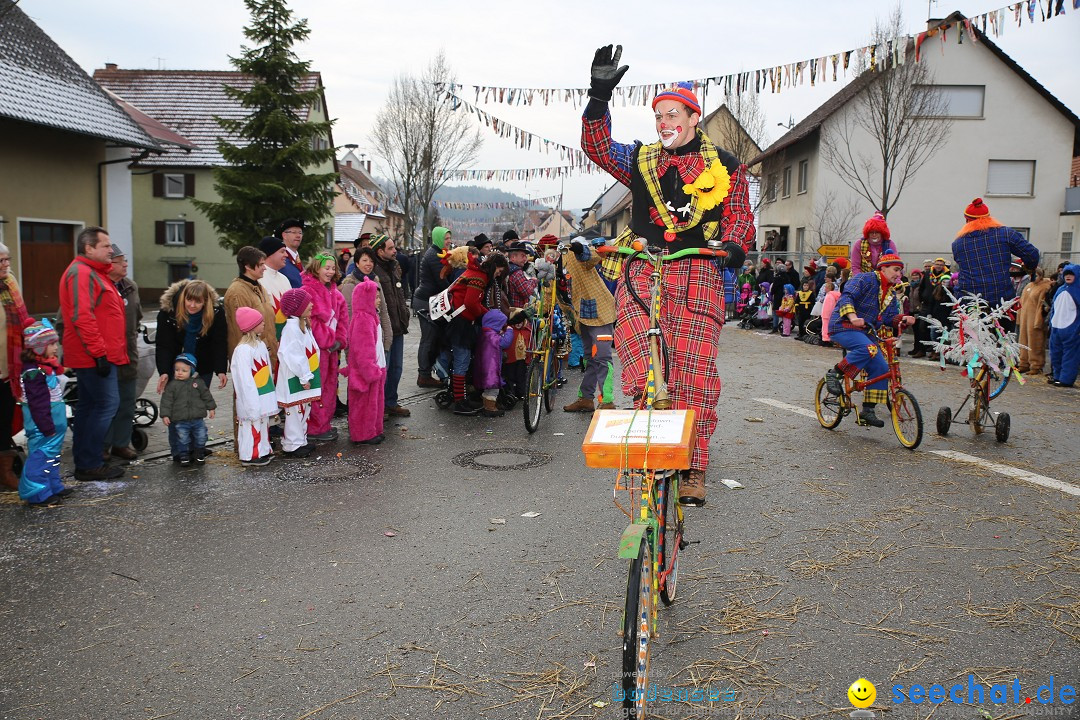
534, 388
906, 419
978, 406
669, 540
828, 407
997, 383
549, 384
636, 646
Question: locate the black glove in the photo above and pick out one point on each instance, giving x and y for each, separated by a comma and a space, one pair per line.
577, 247
103, 366
606, 72
735, 255
516, 317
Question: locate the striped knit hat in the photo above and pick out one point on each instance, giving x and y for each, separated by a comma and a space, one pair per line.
682, 92
889, 259
38, 336
977, 209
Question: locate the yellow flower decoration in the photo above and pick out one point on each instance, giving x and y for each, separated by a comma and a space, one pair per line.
711, 187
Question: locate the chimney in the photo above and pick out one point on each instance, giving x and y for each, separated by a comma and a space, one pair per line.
348, 163
110, 66
368, 163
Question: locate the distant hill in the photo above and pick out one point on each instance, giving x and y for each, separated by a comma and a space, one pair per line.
468, 223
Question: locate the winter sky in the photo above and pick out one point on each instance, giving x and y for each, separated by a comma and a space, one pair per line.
359, 47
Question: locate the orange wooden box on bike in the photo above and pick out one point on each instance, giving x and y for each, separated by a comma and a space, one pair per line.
635, 439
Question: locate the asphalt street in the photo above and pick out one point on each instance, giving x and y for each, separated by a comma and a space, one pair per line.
390, 582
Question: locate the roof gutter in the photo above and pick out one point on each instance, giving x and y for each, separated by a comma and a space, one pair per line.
100, 184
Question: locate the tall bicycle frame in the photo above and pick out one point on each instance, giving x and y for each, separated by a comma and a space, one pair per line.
543, 365
654, 537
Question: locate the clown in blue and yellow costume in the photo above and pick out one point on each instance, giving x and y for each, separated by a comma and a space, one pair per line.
687, 193
868, 302
44, 415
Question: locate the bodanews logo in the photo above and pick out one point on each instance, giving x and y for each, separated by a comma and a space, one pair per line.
659, 693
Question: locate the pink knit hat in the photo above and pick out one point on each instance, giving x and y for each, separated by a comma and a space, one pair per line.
294, 301
248, 318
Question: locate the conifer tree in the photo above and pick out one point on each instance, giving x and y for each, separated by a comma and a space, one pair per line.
270, 153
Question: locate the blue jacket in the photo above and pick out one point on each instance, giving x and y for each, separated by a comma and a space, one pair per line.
862, 295
984, 250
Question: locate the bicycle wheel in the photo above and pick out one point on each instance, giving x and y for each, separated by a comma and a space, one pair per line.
534, 388
828, 407
978, 407
997, 382
549, 383
670, 519
636, 634
907, 419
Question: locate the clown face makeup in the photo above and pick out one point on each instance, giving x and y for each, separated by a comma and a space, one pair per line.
674, 123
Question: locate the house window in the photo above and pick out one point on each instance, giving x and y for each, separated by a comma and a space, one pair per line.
319, 143
174, 186
953, 101
1066, 245
772, 187
800, 239
174, 232
785, 190
1011, 177
804, 172
1026, 232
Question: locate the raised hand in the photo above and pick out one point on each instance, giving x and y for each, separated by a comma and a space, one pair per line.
606, 72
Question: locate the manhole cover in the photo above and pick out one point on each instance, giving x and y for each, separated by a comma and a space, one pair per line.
354, 469
501, 459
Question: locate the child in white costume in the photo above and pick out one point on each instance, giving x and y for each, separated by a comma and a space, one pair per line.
256, 400
298, 381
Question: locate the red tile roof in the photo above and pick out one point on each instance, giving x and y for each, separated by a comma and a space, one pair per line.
186, 101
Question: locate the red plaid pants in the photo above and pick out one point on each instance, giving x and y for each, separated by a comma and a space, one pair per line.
691, 315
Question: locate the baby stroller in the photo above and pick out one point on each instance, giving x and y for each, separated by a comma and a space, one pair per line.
146, 411
812, 330
748, 313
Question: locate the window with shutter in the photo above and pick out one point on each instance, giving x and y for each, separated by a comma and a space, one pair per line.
1011, 177
954, 101
189, 233
174, 232
175, 185
189, 184
158, 181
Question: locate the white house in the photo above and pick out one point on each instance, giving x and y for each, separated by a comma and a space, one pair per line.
1011, 143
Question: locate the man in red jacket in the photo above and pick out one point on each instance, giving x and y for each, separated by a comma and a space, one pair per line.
94, 344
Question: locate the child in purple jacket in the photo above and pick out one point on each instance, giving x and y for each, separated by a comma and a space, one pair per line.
494, 337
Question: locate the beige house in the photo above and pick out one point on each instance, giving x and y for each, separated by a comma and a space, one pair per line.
168, 233
55, 122
1011, 143
361, 206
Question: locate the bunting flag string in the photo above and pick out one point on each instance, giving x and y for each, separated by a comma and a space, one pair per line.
507, 205
776, 78
520, 174
524, 139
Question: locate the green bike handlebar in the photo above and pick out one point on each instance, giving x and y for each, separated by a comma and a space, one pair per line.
678, 255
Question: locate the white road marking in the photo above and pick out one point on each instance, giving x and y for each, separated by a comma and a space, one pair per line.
1012, 472
999, 468
787, 406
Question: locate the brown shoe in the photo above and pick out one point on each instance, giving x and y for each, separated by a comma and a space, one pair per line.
8, 479
582, 404
125, 453
692, 488
606, 406
427, 381
490, 409
398, 411
1033, 372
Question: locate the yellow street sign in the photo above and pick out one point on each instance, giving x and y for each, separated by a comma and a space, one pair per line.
833, 250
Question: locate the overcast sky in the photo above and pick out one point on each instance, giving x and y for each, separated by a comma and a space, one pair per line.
359, 47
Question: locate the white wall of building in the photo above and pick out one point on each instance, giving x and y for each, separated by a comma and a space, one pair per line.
118, 199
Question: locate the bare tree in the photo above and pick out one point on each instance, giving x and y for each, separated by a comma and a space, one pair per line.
835, 219
418, 138
743, 129
901, 114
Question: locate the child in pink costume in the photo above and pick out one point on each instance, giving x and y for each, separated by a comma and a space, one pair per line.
367, 367
329, 325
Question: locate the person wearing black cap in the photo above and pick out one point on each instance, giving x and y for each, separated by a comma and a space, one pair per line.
291, 233
483, 244
118, 436
274, 281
